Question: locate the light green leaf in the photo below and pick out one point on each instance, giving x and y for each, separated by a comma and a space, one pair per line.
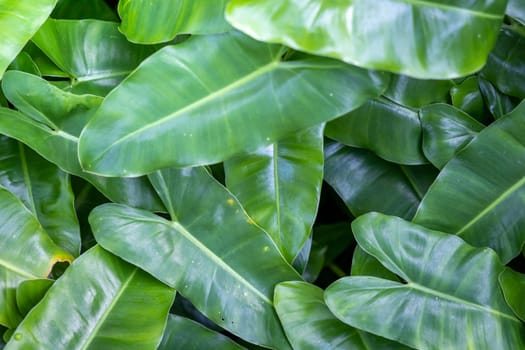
52, 121
446, 130
443, 304
183, 333
392, 131
100, 302
148, 22
440, 40
234, 95
211, 252
19, 21
94, 54
26, 252
513, 285
279, 186
417, 93
30, 292
478, 191
44, 189
366, 182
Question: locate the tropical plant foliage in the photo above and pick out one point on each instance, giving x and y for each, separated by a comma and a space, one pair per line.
246, 174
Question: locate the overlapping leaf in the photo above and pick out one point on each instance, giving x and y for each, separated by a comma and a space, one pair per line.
444, 304
211, 97
423, 39
513, 285
417, 93
99, 302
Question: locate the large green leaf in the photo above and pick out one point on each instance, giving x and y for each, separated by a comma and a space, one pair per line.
94, 54
211, 252
513, 285
366, 182
309, 324
279, 186
392, 131
52, 121
478, 191
417, 93
446, 130
506, 66
19, 21
26, 252
444, 304
424, 39
81, 9
101, 302
211, 97
144, 21
44, 189
183, 333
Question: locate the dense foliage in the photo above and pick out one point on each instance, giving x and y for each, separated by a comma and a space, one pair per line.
306, 174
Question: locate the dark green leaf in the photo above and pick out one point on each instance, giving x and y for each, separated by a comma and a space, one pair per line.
83, 9
335, 237
30, 292
498, 103
513, 285
516, 10
467, 97
364, 264
417, 93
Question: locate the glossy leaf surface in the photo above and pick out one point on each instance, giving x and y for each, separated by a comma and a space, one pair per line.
309, 324
367, 183
279, 186
21, 233
44, 189
446, 130
513, 285
477, 191
391, 131
94, 54
211, 252
440, 39
217, 113
417, 93
183, 333
19, 21
467, 97
497, 103
99, 302
52, 121
149, 22
442, 290
30, 292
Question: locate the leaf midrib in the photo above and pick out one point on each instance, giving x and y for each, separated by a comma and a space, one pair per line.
451, 8
13, 268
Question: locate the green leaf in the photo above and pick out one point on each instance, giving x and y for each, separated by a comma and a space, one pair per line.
446, 130
498, 103
211, 252
443, 305
335, 237
94, 54
366, 182
149, 22
44, 189
516, 10
506, 66
467, 97
25, 63
30, 292
478, 191
26, 252
19, 21
82, 9
309, 324
183, 333
439, 40
100, 302
226, 104
364, 264
513, 285
279, 186
52, 121
417, 93
315, 262
392, 131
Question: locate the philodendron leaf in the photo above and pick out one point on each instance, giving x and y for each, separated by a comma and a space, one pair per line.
279, 186
19, 22
478, 191
367, 183
513, 285
44, 189
439, 40
100, 302
51, 121
183, 333
446, 130
451, 298
26, 252
211, 252
149, 22
417, 93
391, 131
309, 324
233, 95
94, 54
30, 292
